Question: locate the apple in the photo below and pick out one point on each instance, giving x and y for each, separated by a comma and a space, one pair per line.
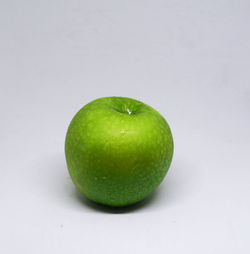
118, 150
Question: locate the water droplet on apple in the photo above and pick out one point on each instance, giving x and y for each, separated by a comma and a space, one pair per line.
129, 112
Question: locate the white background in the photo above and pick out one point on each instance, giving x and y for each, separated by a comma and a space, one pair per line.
190, 60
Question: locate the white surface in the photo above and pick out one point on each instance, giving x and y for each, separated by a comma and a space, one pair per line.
188, 59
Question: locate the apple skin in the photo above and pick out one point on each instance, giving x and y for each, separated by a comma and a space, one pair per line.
118, 150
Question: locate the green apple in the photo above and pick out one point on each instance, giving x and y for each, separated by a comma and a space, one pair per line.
118, 150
